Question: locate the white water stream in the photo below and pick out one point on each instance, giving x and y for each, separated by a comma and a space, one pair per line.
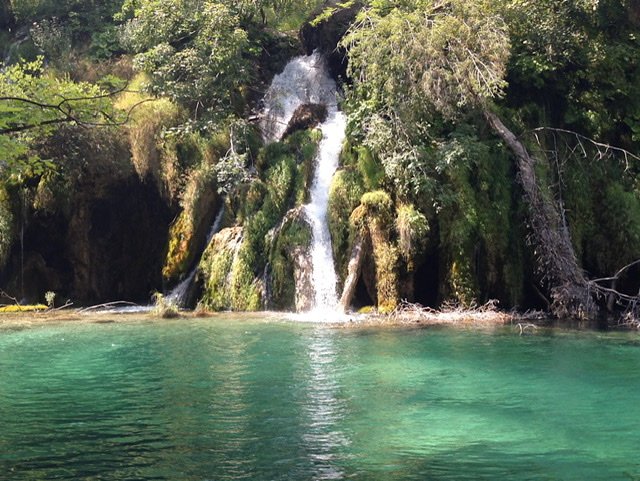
179, 293
306, 80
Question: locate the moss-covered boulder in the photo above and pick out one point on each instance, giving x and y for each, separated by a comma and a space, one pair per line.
289, 268
374, 219
229, 283
188, 232
344, 196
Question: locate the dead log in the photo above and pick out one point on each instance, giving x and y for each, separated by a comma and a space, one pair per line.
557, 262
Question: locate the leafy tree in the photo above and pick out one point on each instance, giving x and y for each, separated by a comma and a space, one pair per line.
448, 58
192, 49
33, 103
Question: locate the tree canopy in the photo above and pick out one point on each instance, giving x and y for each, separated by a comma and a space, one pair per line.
33, 102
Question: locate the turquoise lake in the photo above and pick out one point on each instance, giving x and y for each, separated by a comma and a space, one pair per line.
253, 400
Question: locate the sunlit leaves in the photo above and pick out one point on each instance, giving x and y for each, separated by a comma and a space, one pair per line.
33, 103
193, 50
453, 55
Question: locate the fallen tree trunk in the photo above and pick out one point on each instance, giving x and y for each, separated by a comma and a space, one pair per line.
557, 262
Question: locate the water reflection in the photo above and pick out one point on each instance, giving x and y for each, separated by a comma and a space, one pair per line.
325, 408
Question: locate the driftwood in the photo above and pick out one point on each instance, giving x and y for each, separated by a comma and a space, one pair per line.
630, 303
11, 298
107, 305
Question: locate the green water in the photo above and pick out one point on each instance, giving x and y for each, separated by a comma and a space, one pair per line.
210, 400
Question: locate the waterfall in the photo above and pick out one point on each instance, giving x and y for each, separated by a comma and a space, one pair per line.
180, 292
306, 80
324, 274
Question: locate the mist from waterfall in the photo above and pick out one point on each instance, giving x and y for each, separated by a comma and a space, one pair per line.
306, 80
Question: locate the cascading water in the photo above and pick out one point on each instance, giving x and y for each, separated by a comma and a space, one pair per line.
324, 274
306, 80
179, 293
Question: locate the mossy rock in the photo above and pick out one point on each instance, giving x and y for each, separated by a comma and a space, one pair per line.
288, 276
344, 196
228, 277
188, 233
374, 218
6, 226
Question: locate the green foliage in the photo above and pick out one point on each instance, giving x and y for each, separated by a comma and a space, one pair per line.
371, 170
451, 55
328, 12
344, 197
105, 43
53, 37
193, 51
478, 233
412, 227
603, 213
32, 103
286, 15
620, 216
575, 61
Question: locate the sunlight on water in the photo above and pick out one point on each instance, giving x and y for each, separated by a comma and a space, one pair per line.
205, 399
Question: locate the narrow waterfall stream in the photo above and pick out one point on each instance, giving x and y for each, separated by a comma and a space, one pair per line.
324, 274
306, 80
180, 292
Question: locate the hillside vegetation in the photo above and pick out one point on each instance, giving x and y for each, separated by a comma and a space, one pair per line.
491, 152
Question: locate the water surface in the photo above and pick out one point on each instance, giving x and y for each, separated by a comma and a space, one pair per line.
212, 400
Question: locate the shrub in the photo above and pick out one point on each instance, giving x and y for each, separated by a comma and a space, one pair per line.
412, 227
165, 307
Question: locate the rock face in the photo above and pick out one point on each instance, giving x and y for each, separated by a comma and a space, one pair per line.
305, 117
106, 247
96, 234
302, 276
326, 34
6, 15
